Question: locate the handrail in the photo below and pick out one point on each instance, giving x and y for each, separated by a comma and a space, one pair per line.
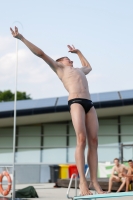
87, 171
6, 167
69, 186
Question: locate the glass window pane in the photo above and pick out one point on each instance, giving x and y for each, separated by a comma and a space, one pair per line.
54, 141
6, 142
6, 137
72, 141
127, 120
72, 144
128, 152
54, 156
6, 132
29, 142
108, 140
55, 129
71, 154
30, 130
28, 156
71, 129
108, 122
127, 127
107, 154
33, 139
108, 127
127, 139
6, 156
54, 135
108, 148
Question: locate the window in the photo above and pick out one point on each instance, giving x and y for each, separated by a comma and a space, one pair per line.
28, 149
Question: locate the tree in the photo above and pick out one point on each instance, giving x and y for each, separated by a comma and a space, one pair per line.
9, 96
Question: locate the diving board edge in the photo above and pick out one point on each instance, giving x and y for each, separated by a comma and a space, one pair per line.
109, 195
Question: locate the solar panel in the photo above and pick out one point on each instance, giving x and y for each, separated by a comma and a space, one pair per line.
128, 94
38, 103
95, 97
6, 106
109, 96
62, 101
28, 104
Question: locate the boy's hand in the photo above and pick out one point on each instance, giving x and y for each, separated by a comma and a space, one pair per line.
15, 33
72, 49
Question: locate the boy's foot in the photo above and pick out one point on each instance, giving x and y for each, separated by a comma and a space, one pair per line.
95, 186
84, 188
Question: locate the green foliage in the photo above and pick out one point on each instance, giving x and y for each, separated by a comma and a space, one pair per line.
9, 96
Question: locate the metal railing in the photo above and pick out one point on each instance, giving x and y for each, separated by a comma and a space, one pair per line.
70, 183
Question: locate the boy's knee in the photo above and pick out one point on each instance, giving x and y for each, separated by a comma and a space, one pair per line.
111, 178
93, 141
81, 140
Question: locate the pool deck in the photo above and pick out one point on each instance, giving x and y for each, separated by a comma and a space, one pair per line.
48, 192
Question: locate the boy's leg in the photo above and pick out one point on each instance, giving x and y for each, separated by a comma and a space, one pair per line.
92, 158
111, 179
127, 183
122, 185
78, 120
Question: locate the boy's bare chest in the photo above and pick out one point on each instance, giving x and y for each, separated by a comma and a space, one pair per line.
74, 74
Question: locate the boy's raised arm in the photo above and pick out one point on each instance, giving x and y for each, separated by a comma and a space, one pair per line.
86, 68
37, 51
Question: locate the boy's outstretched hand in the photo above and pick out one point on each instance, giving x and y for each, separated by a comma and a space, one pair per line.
15, 33
72, 49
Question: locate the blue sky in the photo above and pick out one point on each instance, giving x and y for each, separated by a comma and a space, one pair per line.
102, 30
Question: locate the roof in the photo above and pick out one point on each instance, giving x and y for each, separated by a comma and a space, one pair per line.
60, 104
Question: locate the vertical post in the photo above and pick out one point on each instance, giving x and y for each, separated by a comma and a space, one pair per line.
76, 185
119, 136
14, 126
67, 142
42, 143
121, 152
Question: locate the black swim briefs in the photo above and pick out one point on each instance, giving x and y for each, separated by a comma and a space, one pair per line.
86, 103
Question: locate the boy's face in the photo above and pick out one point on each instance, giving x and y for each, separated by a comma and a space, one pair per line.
116, 162
130, 164
67, 62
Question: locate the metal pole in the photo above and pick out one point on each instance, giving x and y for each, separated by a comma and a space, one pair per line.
121, 152
75, 185
14, 129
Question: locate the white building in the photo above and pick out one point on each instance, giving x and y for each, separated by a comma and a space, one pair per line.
45, 134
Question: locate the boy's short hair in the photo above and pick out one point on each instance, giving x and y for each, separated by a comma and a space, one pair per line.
130, 161
60, 59
116, 159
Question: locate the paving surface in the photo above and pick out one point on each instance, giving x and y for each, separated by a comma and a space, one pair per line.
47, 191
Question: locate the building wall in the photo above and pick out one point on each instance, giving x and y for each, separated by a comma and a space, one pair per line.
55, 142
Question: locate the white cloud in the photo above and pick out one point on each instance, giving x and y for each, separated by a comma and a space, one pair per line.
6, 44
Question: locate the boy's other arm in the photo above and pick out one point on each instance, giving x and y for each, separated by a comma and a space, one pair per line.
113, 171
86, 68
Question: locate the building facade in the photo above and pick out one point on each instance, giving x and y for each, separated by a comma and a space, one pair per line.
45, 135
